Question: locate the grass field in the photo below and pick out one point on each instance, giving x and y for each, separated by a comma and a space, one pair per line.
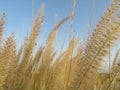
74, 69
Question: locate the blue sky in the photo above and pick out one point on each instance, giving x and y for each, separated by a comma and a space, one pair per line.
19, 16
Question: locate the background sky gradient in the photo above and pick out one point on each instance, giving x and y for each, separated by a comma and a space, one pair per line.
19, 16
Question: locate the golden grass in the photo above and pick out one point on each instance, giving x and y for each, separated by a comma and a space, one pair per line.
74, 69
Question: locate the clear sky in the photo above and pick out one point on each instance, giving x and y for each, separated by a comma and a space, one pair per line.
19, 17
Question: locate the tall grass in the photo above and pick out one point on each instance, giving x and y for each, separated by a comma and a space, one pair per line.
74, 69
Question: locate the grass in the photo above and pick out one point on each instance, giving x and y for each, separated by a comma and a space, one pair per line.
74, 69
